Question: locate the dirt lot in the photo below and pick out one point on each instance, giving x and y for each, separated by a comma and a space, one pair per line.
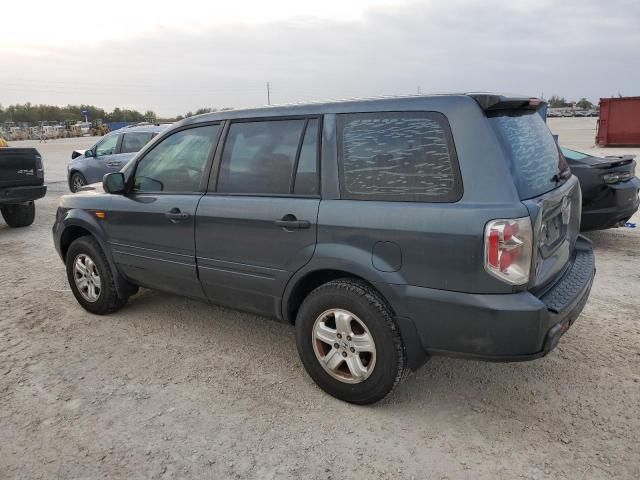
171, 388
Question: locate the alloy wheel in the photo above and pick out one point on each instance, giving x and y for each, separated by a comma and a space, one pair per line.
87, 277
344, 346
77, 182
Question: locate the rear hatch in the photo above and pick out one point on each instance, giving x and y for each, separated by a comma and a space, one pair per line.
545, 186
20, 167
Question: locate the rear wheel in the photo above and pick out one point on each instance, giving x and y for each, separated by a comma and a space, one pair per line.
349, 343
90, 277
19, 215
76, 182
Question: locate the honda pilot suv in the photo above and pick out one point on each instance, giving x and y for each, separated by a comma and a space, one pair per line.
385, 230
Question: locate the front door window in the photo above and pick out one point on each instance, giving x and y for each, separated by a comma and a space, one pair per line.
176, 165
107, 146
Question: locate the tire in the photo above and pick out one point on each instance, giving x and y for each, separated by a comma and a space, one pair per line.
87, 252
370, 315
19, 215
76, 181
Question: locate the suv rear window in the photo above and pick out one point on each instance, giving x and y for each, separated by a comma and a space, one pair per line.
535, 160
398, 156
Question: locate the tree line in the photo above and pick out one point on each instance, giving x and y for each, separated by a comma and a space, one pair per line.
200, 111
51, 113
555, 101
37, 113
42, 113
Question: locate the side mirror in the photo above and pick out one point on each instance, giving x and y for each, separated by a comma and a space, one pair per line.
113, 183
88, 153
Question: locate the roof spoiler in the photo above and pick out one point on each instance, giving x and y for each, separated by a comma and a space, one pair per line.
491, 102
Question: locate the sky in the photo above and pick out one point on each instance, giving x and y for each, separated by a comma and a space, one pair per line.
173, 57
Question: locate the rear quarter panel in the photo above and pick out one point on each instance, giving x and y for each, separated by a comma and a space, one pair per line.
440, 244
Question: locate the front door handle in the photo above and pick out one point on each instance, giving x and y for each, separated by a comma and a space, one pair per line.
114, 164
175, 215
290, 222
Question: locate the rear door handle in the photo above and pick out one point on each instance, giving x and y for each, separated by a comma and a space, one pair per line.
114, 164
290, 222
175, 215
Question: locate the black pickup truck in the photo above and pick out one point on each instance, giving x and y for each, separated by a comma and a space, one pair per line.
21, 182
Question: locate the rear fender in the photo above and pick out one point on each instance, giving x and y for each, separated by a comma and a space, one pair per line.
351, 260
358, 263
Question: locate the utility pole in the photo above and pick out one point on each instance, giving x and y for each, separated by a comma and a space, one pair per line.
419, 90
268, 94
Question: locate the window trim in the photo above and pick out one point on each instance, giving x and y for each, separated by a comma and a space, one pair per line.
318, 157
296, 161
456, 194
207, 166
212, 188
119, 144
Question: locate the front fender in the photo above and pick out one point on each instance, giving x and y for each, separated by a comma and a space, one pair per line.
85, 219
78, 164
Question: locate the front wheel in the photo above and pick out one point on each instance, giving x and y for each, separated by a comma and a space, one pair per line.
19, 215
349, 342
90, 277
76, 182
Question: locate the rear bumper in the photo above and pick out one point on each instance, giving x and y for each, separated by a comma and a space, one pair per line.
13, 195
510, 327
625, 204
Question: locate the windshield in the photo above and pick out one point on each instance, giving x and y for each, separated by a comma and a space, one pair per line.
536, 163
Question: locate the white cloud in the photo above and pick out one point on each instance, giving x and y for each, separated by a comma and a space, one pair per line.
50, 23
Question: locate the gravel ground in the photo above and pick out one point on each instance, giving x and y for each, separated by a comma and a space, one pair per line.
172, 388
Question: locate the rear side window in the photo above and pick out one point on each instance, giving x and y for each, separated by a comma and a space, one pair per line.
259, 157
398, 156
134, 141
535, 160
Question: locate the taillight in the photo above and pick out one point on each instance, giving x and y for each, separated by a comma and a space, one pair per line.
617, 177
507, 249
39, 167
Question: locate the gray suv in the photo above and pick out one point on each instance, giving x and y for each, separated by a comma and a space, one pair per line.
386, 230
109, 154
